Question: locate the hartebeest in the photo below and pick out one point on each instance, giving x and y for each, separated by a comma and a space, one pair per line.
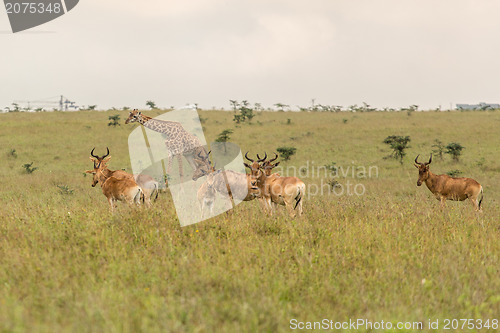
115, 189
445, 187
147, 183
285, 191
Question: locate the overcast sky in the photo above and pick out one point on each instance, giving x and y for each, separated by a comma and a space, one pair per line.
390, 53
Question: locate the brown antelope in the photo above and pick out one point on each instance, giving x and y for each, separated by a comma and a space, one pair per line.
285, 191
445, 187
115, 189
147, 183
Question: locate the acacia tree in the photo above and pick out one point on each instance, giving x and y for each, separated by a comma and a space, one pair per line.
438, 148
398, 145
455, 150
281, 106
151, 104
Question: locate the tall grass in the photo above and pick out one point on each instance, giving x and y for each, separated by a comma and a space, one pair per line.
391, 254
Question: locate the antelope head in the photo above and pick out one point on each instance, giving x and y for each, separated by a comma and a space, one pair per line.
99, 164
204, 166
268, 166
423, 170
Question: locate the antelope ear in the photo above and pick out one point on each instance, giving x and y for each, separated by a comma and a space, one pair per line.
416, 166
139, 113
89, 171
248, 166
106, 159
197, 160
93, 159
276, 164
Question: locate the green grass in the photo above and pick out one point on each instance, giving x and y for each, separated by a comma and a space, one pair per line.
68, 265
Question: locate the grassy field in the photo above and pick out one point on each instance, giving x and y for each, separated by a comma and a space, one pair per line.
68, 265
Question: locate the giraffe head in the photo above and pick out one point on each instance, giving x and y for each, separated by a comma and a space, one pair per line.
133, 116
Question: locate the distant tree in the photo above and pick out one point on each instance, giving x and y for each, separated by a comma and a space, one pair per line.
238, 118
224, 137
286, 152
438, 148
15, 108
114, 120
455, 150
152, 105
246, 111
39, 109
398, 145
281, 106
234, 104
91, 107
125, 108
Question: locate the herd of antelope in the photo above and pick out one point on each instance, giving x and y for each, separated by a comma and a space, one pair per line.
270, 189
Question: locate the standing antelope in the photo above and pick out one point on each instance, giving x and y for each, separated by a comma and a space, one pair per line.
285, 191
445, 187
115, 189
206, 192
147, 183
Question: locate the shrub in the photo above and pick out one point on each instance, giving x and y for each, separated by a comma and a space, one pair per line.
454, 173
455, 150
438, 148
29, 167
398, 145
286, 152
113, 120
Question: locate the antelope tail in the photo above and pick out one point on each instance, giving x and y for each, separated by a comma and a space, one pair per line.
482, 196
141, 195
298, 198
157, 191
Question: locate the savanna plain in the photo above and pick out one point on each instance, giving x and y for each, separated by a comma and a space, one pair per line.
68, 265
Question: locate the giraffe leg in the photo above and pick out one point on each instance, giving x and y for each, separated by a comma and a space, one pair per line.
181, 172
169, 168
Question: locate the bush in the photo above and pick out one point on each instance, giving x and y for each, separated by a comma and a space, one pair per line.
29, 167
113, 120
286, 152
454, 173
455, 150
439, 148
398, 145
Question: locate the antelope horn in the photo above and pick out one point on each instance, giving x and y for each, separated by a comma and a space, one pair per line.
416, 159
274, 159
430, 160
248, 158
92, 153
107, 153
261, 159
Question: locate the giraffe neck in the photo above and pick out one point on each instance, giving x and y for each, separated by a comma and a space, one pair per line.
156, 125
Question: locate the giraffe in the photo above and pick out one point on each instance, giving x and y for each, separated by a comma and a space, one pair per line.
179, 143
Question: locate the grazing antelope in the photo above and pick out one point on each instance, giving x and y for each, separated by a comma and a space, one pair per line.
285, 191
445, 187
115, 189
147, 183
